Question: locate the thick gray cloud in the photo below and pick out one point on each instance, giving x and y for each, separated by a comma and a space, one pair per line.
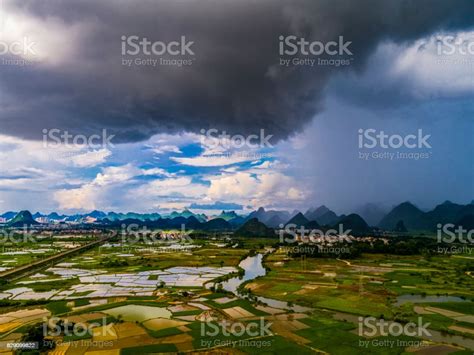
235, 82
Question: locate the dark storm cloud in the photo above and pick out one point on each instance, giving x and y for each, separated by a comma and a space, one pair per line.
235, 82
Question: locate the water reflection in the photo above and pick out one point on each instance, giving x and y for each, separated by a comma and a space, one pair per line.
253, 267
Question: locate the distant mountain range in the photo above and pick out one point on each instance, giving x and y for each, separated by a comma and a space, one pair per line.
415, 219
111, 216
404, 217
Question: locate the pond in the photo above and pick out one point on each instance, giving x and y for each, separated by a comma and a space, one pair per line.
136, 313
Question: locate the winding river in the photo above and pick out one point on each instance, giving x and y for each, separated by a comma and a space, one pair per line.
253, 267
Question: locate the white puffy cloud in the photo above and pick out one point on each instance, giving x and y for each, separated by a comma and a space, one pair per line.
93, 194
116, 174
169, 187
72, 179
82, 198
88, 159
166, 149
267, 188
435, 67
213, 161
45, 40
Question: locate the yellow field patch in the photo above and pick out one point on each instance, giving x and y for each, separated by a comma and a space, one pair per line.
462, 329
10, 338
269, 310
183, 347
60, 349
104, 352
9, 326
29, 313
238, 312
128, 329
184, 329
224, 300
254, 286
181, 308
4, 320
177, 339
104, 333
162, 323
281, 328
444, 312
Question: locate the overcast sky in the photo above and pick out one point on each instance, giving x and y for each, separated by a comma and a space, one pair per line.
408, 70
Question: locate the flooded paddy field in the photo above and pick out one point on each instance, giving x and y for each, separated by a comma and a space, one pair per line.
438, 289
141, 298
18, 250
